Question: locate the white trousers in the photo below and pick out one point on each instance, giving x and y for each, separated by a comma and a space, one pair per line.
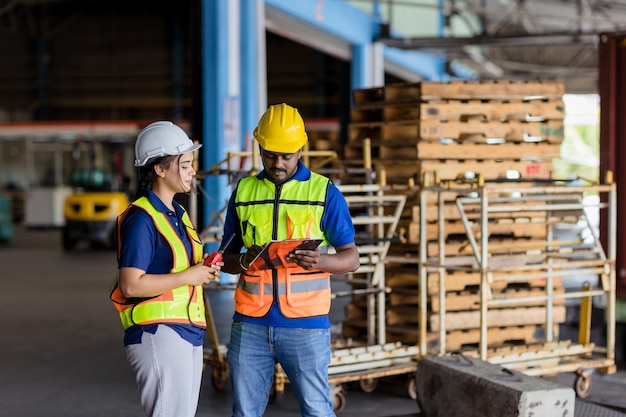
168, 372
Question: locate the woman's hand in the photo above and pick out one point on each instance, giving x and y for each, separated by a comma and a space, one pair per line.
200, 274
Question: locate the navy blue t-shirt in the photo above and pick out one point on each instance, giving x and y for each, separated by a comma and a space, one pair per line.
143, 247
338, 230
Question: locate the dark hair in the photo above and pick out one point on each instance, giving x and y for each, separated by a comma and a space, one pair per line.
146, 173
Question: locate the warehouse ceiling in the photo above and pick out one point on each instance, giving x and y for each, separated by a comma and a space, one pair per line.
525, 39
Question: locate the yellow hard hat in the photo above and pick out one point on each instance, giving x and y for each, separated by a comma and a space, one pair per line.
281, 129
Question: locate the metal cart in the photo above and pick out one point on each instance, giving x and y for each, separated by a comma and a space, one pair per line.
479, 203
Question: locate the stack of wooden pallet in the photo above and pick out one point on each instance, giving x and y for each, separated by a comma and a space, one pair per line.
461, 131
491, 128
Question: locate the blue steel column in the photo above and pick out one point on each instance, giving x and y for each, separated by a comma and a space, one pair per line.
214, 93
252, 29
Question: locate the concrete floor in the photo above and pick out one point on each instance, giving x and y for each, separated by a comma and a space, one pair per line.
61, 350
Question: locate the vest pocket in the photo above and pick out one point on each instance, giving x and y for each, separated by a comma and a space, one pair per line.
250, 290
301, 223
308, 289
257, 227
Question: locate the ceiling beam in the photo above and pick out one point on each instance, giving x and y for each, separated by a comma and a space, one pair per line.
552, 39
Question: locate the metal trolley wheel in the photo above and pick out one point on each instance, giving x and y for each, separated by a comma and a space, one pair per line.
582, 385
339, 402
368, 384
220, 380
411, 387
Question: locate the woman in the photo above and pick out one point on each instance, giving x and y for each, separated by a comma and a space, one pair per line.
159, 291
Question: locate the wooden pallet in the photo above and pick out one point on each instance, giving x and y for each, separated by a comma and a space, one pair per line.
408, 276
470, 131
519, 228
550, 131
460, 90
514, 210
469, 339
468, 300
462, 247
401, 171
410, 150
495, 318
539, 109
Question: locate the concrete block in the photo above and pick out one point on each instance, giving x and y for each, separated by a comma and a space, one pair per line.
461, 386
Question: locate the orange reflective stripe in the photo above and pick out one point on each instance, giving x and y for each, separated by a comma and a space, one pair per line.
289, 229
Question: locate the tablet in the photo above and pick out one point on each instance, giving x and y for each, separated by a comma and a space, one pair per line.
274, 253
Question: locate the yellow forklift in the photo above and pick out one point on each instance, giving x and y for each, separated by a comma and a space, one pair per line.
100, 195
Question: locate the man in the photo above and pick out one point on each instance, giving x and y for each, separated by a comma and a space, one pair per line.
281, 313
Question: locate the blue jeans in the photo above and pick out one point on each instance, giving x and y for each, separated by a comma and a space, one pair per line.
304, 355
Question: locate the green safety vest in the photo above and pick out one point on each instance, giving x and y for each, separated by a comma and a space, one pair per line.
292, 210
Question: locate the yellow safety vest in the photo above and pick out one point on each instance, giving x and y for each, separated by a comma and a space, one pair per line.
182, 305
292, 210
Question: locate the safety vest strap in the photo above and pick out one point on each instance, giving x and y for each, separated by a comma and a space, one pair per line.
164, 226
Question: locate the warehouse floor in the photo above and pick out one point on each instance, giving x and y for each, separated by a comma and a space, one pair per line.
61, 350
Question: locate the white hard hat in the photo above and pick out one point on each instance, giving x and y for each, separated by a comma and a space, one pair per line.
161, 139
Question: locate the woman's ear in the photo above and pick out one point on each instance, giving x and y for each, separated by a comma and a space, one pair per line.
158, 169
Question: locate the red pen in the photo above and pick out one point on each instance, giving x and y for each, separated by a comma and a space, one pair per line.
216, 256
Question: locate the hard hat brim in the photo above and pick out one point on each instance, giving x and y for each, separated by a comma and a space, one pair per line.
147, 158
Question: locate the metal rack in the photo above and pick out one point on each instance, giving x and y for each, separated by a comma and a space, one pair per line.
553, 258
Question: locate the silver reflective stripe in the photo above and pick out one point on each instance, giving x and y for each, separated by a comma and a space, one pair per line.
253, 287
305, 286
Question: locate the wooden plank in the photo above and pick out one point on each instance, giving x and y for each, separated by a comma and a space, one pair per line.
463, 339
491, 89
353, 311
467, 131
413, 150
496, 337
461, 303
518, 210
477, 130
488, 89
468, 300
539, 109
398, 172
382, 112
514, 151
516, 229
400, 276
521, 110
497, 318
389, 93
503, 247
